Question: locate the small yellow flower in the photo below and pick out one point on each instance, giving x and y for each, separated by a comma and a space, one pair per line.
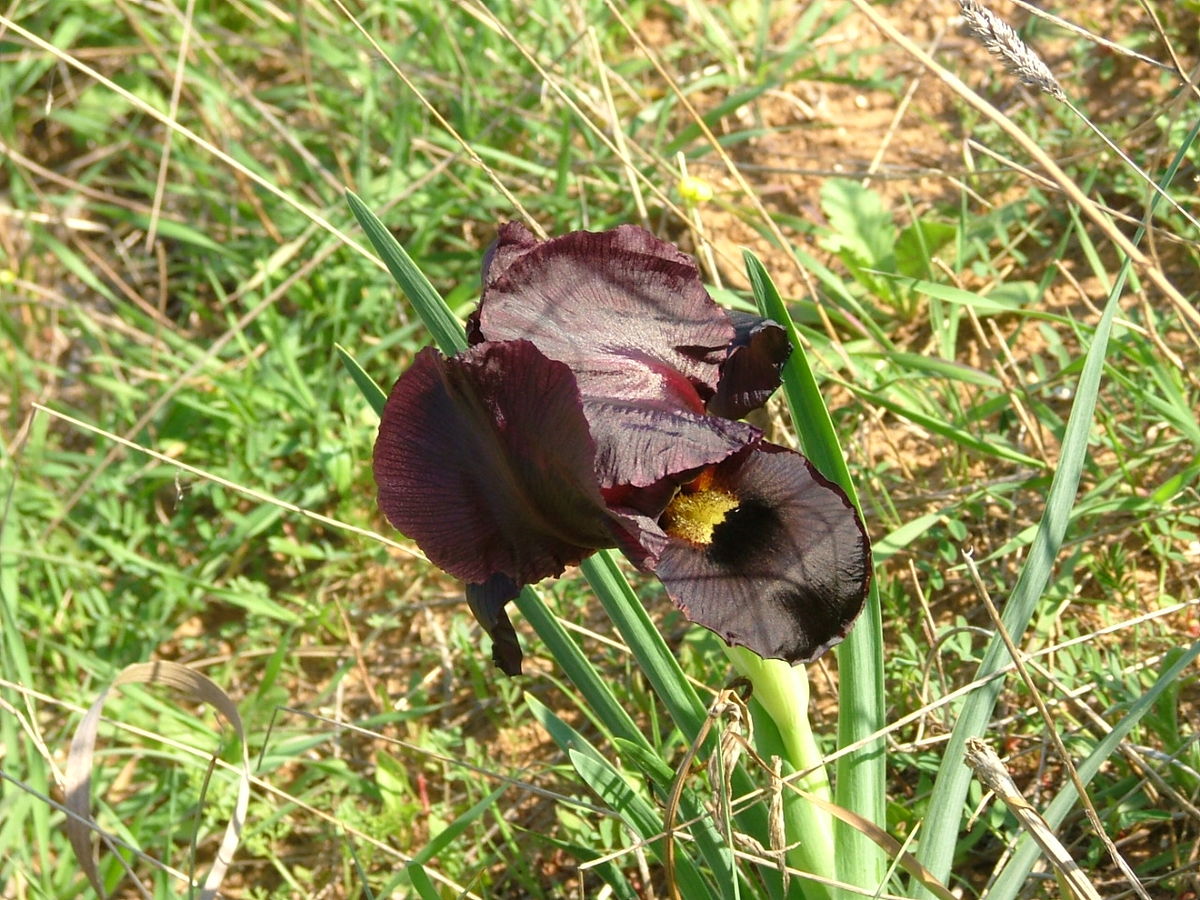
695, 191
7, 277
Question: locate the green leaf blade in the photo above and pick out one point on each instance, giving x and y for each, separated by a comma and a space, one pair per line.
861, 776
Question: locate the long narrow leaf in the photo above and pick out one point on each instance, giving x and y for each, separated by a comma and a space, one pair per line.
447, 331
649, 649
950, 789
860, 775
834, 284
1015, 874
946, 430
662, 670
587, 680
371, 392
634, 808
939, 839
449, 834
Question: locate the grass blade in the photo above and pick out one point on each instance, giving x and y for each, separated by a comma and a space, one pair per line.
1015, 874
80, 761
860, 775
948, 431
447, 331
443, 839
644, 640
950, 789
372, 392
635, 810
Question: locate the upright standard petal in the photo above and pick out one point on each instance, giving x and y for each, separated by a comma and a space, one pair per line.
629, 315
766, 553
604, 300
485, 460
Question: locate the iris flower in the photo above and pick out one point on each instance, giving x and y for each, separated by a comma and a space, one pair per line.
598, 406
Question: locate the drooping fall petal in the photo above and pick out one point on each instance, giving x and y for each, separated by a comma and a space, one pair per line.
766, 553
485, 460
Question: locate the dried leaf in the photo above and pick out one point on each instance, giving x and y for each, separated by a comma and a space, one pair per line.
81, 759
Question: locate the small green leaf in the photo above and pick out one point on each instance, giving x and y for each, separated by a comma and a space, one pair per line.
917, 244
895, 541
394, 786
858, 223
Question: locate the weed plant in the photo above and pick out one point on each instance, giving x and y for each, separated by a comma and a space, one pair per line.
196, 320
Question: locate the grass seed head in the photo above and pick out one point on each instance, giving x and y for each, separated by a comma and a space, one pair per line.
1002, 40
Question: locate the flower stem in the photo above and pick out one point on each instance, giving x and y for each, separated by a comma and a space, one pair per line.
782, 691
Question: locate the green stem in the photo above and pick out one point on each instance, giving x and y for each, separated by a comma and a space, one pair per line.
782, 691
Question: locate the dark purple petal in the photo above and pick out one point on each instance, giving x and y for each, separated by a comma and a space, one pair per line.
629, 315
474, 335
513, 240
750, 373
485, 461
635, 519
487, 602
640, 538
784, 571
601, 302
641, 443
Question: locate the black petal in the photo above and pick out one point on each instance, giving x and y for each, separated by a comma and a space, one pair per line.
786, 572
487, 602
